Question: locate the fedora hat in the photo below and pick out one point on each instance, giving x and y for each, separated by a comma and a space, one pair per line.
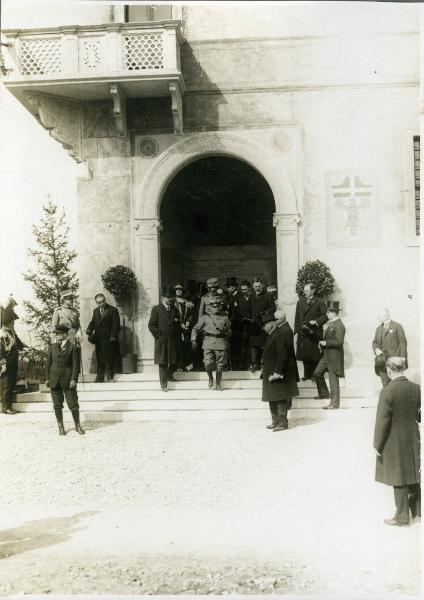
333, 305
61, 328
267, 316
167, 291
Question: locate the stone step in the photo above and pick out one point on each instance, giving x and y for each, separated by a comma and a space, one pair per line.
261, 414
169, 403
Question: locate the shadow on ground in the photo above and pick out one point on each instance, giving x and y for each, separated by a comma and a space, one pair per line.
41, 533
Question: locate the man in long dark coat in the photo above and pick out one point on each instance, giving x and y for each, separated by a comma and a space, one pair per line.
10, 347
389, 340
310, 311
244, 315
332, 359
279, 369
103, 329
187, 317
397, 441
261, 302
165, 328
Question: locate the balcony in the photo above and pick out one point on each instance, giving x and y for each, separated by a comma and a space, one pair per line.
86, 63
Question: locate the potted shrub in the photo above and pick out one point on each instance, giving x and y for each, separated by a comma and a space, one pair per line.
319, 274
121, 283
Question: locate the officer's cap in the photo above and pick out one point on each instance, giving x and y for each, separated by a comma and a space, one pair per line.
212, 282
66, 294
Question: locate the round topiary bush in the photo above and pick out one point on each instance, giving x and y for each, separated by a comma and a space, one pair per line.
319, 274
120, 282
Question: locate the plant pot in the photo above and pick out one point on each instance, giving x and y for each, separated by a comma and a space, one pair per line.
129, 363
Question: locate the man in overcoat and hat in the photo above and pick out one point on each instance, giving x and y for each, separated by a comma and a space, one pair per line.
261, 303
310, 311
389, 340
103, 331
164, 325
186, 316
397, 441
332, 359
279, 369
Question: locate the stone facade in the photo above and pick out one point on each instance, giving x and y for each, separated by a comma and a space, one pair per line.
323, 107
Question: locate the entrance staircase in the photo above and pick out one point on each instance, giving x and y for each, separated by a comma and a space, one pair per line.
137, 397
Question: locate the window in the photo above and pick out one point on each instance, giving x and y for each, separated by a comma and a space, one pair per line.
141, 13
417, 182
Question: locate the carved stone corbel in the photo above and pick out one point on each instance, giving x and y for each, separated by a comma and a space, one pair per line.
119, 108
62, 119
176, 107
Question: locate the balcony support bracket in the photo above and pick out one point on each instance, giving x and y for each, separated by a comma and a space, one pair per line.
119, 108
176, 107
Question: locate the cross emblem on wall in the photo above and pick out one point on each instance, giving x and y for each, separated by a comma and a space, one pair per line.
352, 195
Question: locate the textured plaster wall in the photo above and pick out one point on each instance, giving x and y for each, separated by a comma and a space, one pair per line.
54, 13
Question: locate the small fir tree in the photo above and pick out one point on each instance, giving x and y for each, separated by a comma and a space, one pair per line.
316, 272
53, 273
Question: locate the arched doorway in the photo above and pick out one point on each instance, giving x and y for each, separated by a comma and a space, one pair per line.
217, 220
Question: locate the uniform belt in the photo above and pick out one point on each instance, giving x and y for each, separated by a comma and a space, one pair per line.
217, 335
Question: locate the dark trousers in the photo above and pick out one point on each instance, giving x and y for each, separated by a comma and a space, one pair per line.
407, 497
58, 395
105, 366
385, 379
309, 368
7, 387
256, 355
235, 350
165, 371
279, 412
322, 388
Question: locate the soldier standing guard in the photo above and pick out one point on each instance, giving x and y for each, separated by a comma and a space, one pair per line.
67, 315
216, 329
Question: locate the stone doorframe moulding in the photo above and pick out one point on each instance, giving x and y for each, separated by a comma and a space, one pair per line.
146, 222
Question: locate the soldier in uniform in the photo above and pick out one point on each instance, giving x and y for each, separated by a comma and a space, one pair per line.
216, 328
212, 286
10, 346
66, 314
62, 370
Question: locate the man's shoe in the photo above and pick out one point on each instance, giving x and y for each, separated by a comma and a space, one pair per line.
395, 522
61, 429
330, 407
306, 378
321, 397
10, 411
79, 429
171, 378
281, 427
210, 384
219, 388
271, 426
164, 388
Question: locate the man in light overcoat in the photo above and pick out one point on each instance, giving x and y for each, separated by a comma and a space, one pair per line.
397, 441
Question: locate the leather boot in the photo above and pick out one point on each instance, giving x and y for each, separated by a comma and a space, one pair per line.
75, 415
274, 423
218, 381
282, 422
210, 375
59, 418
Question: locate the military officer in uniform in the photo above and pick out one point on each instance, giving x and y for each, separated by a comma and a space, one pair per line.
216, 329
310, 313
10, 346
212, 286
66, 314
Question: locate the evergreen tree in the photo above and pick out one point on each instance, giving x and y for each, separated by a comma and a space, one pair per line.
53, 272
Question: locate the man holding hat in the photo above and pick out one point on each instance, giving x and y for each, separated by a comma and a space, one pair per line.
103, 331
62, 370
164, 325
332, 359
216, 328
10, 346
186, 317
67, 315
212, 285
279, 369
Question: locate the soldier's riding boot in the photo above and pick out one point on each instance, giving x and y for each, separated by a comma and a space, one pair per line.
76, 417
59, 418
210, 375
218, 381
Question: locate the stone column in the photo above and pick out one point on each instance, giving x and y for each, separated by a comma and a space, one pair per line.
147, 270
287, 241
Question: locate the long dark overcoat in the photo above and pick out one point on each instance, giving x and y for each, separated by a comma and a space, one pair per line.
279, 357
307, 349
259, 304
63, 365
165, 328
396, 433
104, 327
333, 351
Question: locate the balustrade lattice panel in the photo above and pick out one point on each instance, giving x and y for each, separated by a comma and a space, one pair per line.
41, 57
143, 51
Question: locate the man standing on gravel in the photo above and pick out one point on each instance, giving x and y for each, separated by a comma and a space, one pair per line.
279, 371
397, 441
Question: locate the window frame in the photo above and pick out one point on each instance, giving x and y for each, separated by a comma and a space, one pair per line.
412, 238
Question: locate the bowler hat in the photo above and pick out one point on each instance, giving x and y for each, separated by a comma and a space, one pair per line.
333, 305
267, 316
61, 328
66, 294
231, 281
167, 291
212, 281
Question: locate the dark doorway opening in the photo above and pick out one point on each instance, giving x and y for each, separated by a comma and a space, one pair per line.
216, 215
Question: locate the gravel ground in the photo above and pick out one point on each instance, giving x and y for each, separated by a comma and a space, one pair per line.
201, 507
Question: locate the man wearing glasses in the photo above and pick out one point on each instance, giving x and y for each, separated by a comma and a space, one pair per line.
103, 332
